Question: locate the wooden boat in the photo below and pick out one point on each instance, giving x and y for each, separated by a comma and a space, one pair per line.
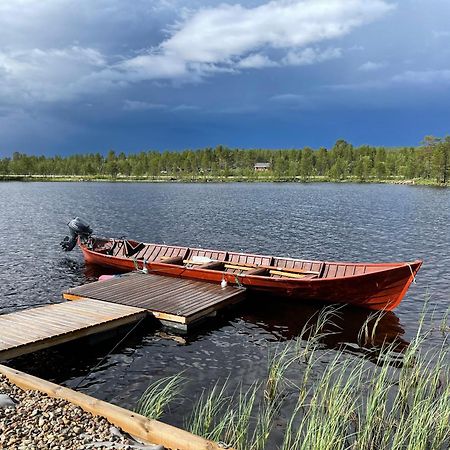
371, 285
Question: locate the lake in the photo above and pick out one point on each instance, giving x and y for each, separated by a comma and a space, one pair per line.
327, 221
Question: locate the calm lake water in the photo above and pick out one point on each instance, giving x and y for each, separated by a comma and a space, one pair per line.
314, 221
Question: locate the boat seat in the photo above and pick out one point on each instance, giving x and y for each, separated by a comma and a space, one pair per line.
292, 275
105, 247
256, 271
215, 255
178, 260
213, 265
236, 271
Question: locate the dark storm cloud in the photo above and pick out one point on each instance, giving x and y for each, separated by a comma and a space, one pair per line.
82, 76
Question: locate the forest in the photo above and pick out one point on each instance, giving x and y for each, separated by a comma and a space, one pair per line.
428, 162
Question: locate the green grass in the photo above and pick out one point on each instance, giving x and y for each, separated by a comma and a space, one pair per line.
195, 178
326, 399
159, 395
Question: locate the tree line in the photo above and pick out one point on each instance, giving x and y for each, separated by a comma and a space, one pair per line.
429, 161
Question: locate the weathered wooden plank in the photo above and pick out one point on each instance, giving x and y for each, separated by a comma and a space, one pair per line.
170, 299
38, 328
36, 321
148, 293
200, 303
176, 305
169, 302
206, 311
10, 329
7, 342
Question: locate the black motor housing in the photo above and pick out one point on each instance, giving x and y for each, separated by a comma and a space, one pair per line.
78, 228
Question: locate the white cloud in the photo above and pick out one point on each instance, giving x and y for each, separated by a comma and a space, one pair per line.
294, 101
151, 67
46, 75
288, 98
136, 105
423, 77
232, 37
371, 66
419, 78
256, 61
356, 48
183, 107
217, 34
359, 86
303, 57
222, 38
310, 56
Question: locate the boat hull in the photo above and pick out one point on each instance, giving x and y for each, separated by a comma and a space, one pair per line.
382, 288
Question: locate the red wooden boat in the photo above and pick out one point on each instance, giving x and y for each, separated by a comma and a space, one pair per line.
371, 285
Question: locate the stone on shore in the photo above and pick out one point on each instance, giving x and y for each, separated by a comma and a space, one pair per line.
30, 420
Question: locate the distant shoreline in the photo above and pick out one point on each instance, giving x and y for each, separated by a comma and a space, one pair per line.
216, 179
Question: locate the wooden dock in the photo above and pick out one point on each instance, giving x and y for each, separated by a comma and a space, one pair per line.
103, 306
106, 305
177, 302
38, 328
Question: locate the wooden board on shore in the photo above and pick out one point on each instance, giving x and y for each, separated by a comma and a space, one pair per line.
149, 430
34, 329
176, 300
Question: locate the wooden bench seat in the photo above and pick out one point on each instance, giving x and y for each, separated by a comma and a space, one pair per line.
213, 265
257, 271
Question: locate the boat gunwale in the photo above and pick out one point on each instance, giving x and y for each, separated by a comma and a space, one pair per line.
384, 267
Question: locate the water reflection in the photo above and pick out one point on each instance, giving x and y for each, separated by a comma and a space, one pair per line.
77, 360
92, 272
353, 329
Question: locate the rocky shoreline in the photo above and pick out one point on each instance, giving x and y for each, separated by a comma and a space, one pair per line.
30, 420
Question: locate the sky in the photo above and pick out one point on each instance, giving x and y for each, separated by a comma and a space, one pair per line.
83, 76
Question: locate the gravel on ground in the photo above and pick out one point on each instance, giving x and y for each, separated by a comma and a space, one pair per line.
30, 420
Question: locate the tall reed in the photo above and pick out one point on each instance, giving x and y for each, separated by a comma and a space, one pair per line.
342, 402
159, 395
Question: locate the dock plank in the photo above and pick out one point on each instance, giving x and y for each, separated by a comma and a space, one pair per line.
167, 298
34, 329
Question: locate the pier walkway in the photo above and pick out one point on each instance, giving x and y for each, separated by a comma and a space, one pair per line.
34, 329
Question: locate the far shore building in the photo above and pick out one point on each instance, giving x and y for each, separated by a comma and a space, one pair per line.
262, 166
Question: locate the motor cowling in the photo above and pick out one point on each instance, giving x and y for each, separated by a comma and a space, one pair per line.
78, 228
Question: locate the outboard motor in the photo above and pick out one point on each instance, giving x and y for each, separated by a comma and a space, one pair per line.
78, 228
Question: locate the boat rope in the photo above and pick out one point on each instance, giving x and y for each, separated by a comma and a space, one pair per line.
109, 353
412, 273
144, 266
238, 282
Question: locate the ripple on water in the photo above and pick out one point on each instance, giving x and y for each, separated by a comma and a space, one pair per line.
317, 221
